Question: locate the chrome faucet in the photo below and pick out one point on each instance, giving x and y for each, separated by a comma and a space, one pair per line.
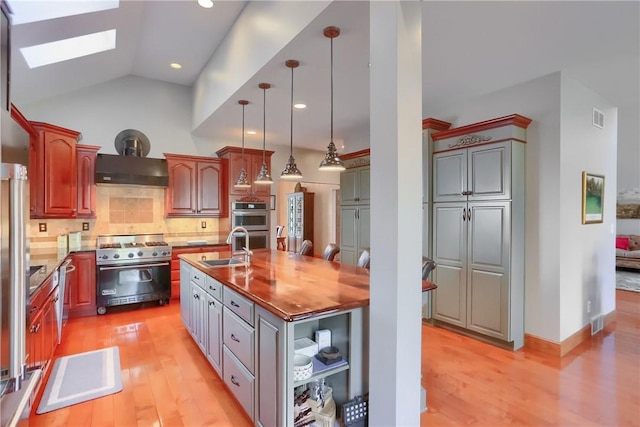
245, 249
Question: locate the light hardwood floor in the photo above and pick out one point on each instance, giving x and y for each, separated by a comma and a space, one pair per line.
167, 381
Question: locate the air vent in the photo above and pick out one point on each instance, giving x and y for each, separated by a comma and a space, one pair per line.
598, 118
597, 323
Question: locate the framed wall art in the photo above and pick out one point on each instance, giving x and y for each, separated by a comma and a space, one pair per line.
592, 198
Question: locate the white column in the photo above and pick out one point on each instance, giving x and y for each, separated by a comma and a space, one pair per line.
396, 213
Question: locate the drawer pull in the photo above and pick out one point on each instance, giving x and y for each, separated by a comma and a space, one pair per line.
234, 381
196, 296
35, 328
212, 288
33, 309
233, 303
211, 303
233, 337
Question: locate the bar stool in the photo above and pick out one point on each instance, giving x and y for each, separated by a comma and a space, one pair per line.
331, 251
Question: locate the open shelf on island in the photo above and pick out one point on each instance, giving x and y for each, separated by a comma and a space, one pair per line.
321, 370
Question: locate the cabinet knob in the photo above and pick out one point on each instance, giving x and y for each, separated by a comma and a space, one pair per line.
235, 381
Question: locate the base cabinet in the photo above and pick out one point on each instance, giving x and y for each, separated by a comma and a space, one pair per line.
82, 284
42, 331
255, 348
176, 288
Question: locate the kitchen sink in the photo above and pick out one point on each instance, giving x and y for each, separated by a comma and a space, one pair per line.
225, 262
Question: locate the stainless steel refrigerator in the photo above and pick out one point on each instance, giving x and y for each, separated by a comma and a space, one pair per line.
16, 384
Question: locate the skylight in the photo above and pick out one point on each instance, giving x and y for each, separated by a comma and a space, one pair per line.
75, 47
25, 11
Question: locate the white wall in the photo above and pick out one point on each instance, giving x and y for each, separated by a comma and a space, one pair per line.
162, 111
586, 274
550, 200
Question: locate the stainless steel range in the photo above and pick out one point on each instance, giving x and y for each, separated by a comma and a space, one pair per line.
131, 269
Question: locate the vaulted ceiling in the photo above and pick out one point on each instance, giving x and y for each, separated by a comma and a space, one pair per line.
469, 48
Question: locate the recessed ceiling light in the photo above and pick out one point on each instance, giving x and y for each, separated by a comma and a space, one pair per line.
251, 132
175, 65
300, 105
63, 50
205, 3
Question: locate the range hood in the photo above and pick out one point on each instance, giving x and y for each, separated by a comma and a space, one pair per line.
121, 169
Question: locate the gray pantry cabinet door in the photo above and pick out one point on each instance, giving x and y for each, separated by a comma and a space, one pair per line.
450, 255
214, 333
348, 235
488, 299
478, 173
355, 186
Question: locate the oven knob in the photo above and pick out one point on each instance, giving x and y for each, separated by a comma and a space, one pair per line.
154, 253
165, 253
130, 254
105, 256
116, 256
139, 253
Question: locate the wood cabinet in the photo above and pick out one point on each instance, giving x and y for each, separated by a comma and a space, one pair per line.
52, 171
197, 187
300, 210
252, 165
478, 229
86, 162
355, 212
82, 284
176, 271
42, 332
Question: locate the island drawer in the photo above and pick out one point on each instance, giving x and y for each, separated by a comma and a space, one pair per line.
213, 287
239, 381
238, 337
238, 304
198, 277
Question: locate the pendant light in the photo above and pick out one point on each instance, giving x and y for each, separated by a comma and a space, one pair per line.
263, 175
242, 181
331, 160
291, 170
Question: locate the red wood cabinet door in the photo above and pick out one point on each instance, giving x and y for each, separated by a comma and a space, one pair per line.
34, 340
181, 193
61, 191
35, 174
82, 286
86, 160
212, 185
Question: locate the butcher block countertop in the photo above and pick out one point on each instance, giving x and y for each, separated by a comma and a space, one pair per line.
291, 286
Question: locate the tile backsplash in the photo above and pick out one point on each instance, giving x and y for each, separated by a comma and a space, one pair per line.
127, 209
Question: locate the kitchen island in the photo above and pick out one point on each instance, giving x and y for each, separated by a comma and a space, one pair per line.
246, 319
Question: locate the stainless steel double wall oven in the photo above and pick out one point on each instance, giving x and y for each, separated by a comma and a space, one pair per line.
255, 217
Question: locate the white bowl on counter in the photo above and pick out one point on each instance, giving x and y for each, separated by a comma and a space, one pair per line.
302, 367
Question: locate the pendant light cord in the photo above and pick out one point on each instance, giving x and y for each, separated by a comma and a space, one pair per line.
243, 161
264, 125
291, 133
331, 89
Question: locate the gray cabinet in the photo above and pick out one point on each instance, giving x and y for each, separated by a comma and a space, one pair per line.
214, 333
355, 186
275, 352
478, 229
185, 291
355, 190
299, 219
473, 256
354, 232
197, 313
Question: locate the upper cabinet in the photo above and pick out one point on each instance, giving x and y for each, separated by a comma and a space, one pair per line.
197, 187
252, 163
86, 161
52, 171
355, 181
